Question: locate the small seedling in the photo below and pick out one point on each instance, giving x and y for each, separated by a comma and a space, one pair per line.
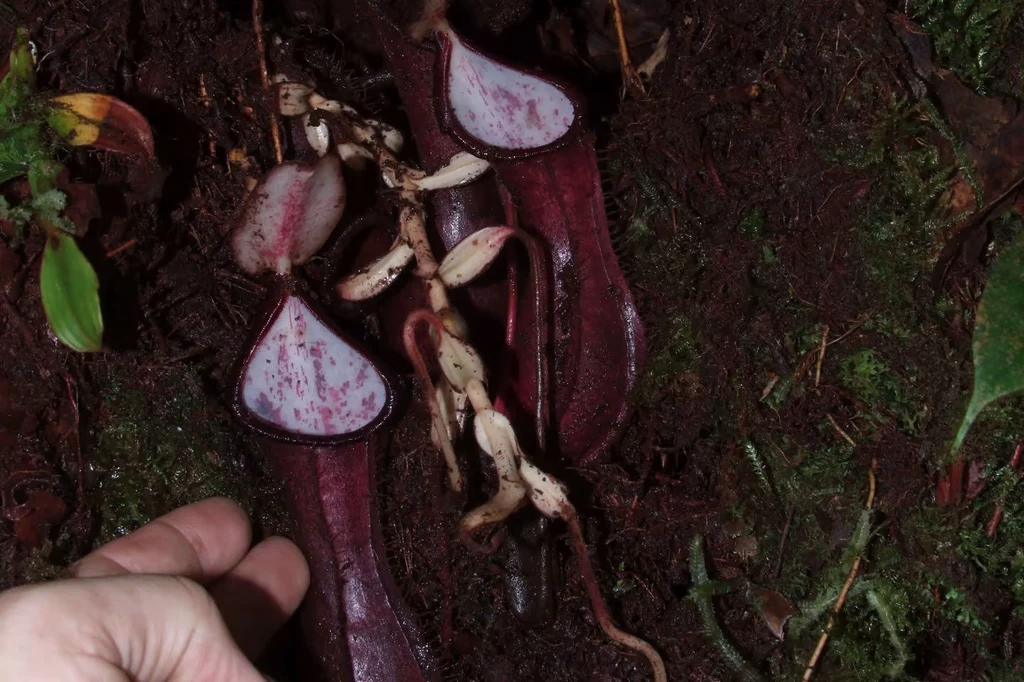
32, 129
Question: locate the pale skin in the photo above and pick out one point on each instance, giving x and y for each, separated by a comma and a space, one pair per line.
184, 598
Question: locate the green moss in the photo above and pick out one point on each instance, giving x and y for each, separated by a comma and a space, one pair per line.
1004, 230
901, 216
886, 612
933, 529
701, 596
999, 558
1005, 670
674, 352
862, 647
757, 463
900, 221
808, 482
752, 224
900, 226
891, 326
865, 375
968, 35
958, 606
22, 142
880, 620
650, 200
820, 473
667, 265
998, 428
159, 442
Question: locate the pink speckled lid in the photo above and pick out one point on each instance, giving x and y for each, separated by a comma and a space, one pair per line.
303, 380
497, 110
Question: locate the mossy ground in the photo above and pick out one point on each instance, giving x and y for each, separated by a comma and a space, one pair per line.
737, 299
159, 442
747, 227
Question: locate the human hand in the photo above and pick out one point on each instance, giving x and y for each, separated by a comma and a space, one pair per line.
182, 599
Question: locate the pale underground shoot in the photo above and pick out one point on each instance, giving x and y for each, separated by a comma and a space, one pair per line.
463, 377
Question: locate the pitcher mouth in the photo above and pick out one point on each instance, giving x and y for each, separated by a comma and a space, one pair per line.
303, 380
516, 114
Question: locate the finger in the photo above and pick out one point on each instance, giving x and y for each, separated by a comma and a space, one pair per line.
201, 541
130, 627
259, 595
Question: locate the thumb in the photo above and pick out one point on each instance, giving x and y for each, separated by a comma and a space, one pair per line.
144, 628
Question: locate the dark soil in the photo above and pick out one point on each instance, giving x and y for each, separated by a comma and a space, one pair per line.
787, 177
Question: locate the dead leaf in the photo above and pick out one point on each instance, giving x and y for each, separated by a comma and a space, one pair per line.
745, 547
775, 609
657, 57
991, 131
36, 516
976, 479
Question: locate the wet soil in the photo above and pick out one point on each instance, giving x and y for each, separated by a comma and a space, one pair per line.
773, 206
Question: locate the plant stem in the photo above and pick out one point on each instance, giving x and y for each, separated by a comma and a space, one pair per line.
809, 670
438, 422
261, 55
630, 78
538, 273
821, 356
701, 596
502, 445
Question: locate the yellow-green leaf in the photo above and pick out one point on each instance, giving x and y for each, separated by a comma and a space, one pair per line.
998, 335
101, 121
70, 292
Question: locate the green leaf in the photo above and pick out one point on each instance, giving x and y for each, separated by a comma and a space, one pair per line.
70, 292
19, 80
22, 65
42, 175
998, 336
20, 147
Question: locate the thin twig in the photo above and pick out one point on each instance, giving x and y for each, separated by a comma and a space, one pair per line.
821, 356
842, 93
630, 78
769, 387
809, 670
257, 29
72, 388
840, 431
782, 541
127, 245
856, 325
